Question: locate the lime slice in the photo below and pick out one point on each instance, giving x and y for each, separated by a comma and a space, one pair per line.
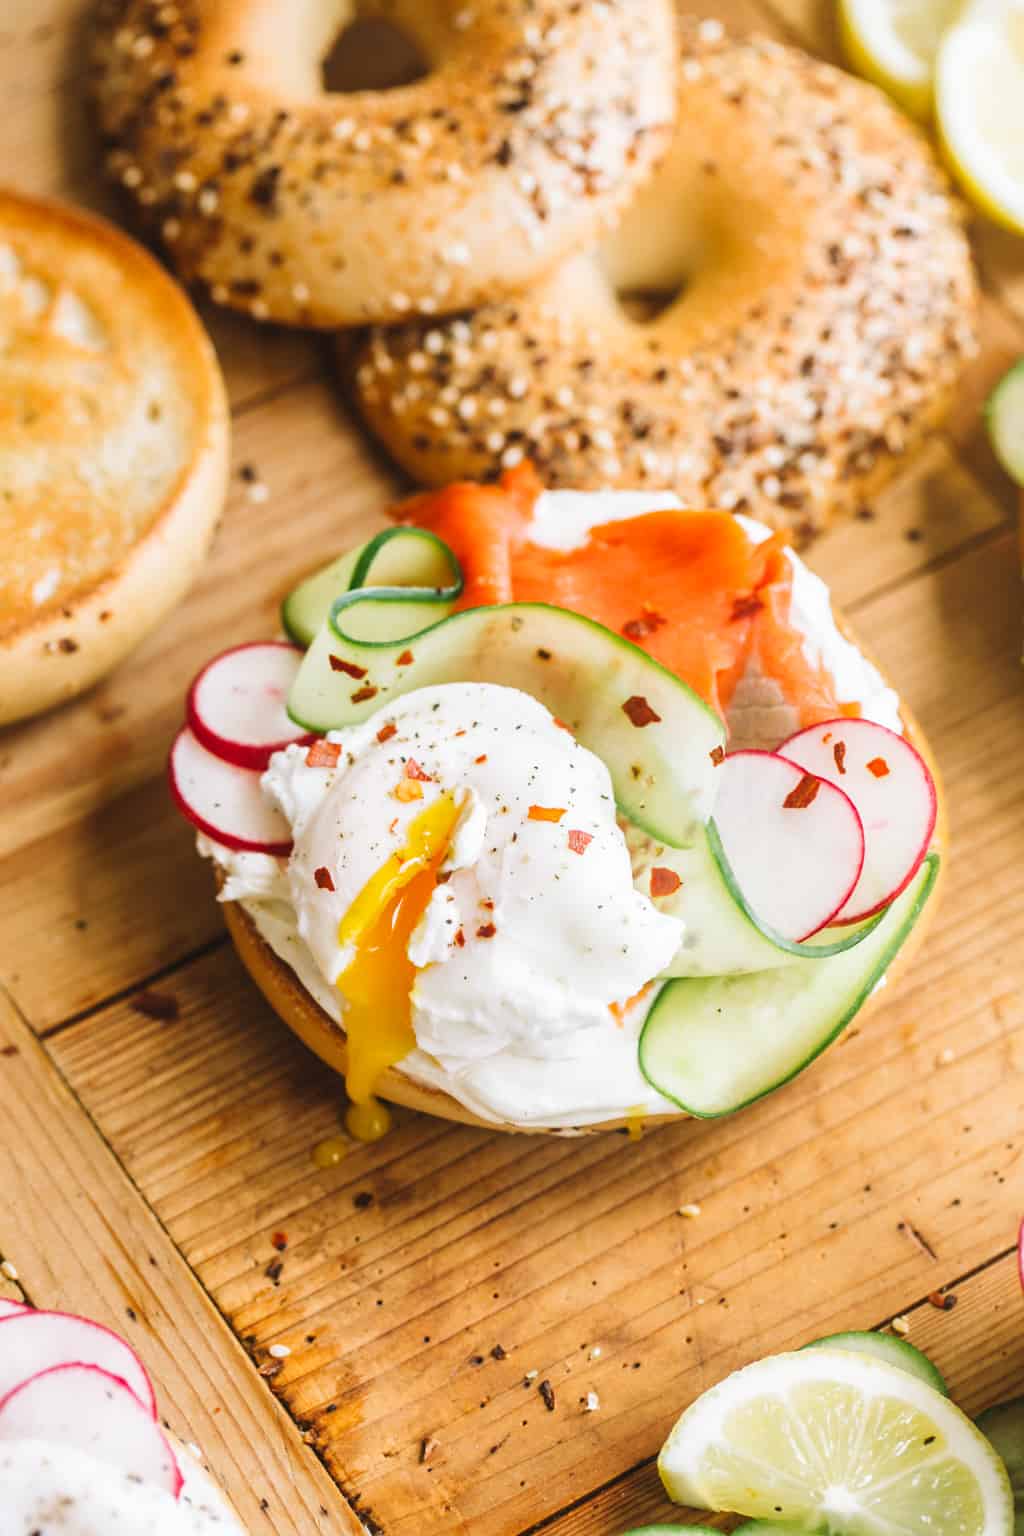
1004, 414
894, 43
979, 88
837, 1442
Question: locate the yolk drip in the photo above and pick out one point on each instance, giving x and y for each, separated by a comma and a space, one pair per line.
378, 979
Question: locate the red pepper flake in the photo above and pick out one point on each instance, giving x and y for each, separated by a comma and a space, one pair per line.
460, 938
481, 759
279, 1240
486, 931
746, 607
839, 753
646, 624
393, 825
800, 798
387, 731
639, 712
943, 1301
322, 876
460, 733
579, 841
413, 770
156, 1005
348, 667
664, 882
545, 813
879, 767
487, 903
561, 724
364, 693
323, 754
717, 756
405, 660
827, 737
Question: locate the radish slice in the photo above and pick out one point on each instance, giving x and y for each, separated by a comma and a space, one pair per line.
224, 801
31, 1342
889, 783
10, 1308
236, 705
89, 1409
795, 842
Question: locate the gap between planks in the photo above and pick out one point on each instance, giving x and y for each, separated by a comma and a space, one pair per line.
83, 1238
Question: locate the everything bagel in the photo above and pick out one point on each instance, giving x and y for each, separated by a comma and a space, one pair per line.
534, 125
827, 306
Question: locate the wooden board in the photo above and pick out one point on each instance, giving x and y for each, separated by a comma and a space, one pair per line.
424, 1280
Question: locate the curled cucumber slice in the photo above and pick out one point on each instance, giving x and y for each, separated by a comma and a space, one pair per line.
724, 936
410, 566
656, 736
886, 1346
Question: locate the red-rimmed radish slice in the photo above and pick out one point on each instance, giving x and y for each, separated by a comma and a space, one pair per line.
224, 801
794, 842
31, 1342
93, 1411
236, 705
9, 1308
889, 783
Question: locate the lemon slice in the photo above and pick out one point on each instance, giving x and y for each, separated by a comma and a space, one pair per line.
1004, 415
835, 1441
894, 43
979, 102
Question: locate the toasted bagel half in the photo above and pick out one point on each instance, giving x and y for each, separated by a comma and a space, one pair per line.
114, 436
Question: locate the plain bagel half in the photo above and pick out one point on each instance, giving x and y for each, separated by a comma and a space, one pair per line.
825, 306
534, 124
113, 449
290, 1000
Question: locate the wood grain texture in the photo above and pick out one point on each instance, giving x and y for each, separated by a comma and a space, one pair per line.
83, 1239
396, 1277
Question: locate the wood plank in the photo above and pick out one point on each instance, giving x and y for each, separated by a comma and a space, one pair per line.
551, 1248
979, 1349
83, 1239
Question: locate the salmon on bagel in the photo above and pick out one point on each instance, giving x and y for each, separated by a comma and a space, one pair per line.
824, 303
113, 449
533, 125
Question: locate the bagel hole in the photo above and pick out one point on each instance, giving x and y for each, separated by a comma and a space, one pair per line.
644, 305
371, 54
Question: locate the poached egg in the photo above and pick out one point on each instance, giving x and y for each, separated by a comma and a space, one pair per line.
460, 878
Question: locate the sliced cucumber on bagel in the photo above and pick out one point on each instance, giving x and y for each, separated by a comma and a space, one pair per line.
714, 1045
660, 741
886, 1346
723, 934
397, 558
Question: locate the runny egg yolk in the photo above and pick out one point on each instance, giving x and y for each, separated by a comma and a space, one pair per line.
378, 979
